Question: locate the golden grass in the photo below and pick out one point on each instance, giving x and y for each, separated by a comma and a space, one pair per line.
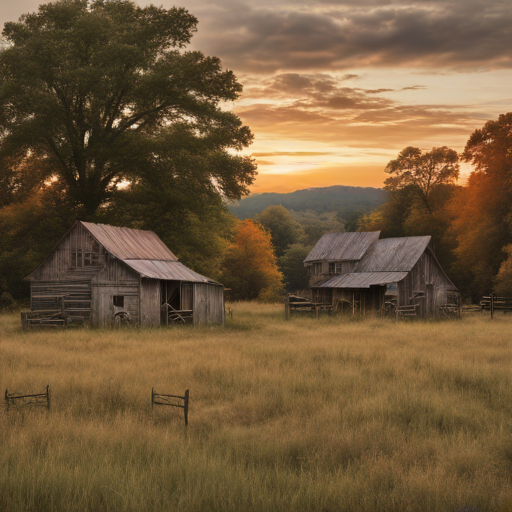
312, 415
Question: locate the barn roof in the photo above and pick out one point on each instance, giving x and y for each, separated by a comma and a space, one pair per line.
143, 252
130, 244
170, 270
363, 279
393, 254
342, 246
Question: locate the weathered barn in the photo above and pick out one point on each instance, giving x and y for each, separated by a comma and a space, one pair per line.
105, 275
358, 272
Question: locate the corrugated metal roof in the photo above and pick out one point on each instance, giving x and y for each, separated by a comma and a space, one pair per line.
342, 246
130, 244
393, 254
363, 279
171, 270
144, 252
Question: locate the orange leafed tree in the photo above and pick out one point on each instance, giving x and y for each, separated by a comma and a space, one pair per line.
250, 267
482, 211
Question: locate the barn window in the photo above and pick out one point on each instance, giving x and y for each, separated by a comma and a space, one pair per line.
317, 268
76, 257
118, 301
335, 268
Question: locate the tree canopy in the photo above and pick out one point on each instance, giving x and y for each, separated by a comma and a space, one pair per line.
423, 171
250, 266
283, 229
98, 93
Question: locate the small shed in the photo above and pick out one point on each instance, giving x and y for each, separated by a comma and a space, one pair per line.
105, 275
359, 272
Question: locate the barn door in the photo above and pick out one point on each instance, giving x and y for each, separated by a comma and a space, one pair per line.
187, 296
429, 299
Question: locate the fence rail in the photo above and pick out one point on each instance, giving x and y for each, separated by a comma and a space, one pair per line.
23, 400
172, 401
494, 303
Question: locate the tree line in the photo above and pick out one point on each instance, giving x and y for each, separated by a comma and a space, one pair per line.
105, 116
471, 225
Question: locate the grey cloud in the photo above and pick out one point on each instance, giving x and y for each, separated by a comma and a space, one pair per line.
448, 34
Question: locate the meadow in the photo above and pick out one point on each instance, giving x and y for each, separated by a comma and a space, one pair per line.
307, 415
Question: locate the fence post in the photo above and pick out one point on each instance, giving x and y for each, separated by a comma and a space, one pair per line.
7, 399
186, 407
152, 397
48, 396
492, 306
287, 308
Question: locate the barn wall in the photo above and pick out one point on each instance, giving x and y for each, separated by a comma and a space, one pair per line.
116, 272
366, 299
150, 302
76, 296
208, 304
102, 312
59, 265
318, 279
427, 278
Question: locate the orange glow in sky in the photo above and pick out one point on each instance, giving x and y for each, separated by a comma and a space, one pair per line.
333, 90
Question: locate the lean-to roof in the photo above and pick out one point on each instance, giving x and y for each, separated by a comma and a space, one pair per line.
342, 246
363, 279
168, 270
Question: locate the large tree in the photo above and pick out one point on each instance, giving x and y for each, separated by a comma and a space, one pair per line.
102, 92
482, 211
423, 172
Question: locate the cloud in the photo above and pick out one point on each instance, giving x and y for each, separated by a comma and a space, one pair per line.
325, 35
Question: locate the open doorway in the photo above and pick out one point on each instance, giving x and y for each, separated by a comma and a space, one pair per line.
176, 302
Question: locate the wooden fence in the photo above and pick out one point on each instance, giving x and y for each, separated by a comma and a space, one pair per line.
494, 303
13, 400
172, 401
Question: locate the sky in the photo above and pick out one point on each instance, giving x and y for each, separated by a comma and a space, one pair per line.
335, 89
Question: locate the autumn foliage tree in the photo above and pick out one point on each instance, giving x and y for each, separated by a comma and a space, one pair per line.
421, 185
482, 211
250, 268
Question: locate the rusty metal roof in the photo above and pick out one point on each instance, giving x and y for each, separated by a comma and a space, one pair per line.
170, 270
130, 244
363, 279
393, 254
342, 246
144, 252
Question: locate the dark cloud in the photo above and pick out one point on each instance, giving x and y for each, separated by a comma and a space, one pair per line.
341, 35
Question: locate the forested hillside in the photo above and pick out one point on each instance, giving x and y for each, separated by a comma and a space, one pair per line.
327, 199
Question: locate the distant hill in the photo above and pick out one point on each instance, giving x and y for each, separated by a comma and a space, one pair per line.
325, 199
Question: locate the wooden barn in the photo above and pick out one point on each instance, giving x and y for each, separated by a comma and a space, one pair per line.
359, 272
105, 275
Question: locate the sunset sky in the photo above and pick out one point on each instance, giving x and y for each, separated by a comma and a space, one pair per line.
333, 90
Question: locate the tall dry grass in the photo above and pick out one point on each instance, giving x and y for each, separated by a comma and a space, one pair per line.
306, 415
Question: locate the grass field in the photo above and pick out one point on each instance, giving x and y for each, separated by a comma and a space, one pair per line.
307, 415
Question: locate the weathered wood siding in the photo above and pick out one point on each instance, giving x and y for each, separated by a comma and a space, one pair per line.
59, 266
150, 302
366, 299
102, 311
49, 295
116, 272
324, 275
428, 278
208, 304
